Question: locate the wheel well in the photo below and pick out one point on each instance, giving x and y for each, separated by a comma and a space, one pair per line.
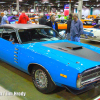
31, 66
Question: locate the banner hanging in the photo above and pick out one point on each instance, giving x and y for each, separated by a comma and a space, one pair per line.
66, 9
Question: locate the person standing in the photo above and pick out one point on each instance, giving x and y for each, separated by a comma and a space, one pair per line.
52, 23
0, 18
4, 19
76, 28
45, 16
62, 17
42, 20
68, 27
23, 19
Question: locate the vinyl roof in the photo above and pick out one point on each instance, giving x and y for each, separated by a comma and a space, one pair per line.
24, 26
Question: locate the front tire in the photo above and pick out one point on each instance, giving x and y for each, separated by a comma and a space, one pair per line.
42, 80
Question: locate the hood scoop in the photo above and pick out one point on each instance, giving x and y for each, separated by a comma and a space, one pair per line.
76, 50
71, 48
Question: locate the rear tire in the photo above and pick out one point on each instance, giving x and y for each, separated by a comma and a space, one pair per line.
42, 80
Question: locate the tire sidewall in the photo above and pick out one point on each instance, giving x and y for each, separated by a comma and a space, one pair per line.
46, 89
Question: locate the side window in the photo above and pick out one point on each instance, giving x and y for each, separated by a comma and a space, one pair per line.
10, 35
1, 30
98, 21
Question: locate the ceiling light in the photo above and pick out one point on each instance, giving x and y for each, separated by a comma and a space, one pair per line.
85, 0
39, 5
26, 4
75, 5
14, 3
2, 2
87, 5
71, 1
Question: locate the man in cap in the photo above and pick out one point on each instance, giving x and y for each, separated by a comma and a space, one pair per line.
42, 20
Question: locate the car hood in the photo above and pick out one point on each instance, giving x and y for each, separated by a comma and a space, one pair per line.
92, 30
73, 52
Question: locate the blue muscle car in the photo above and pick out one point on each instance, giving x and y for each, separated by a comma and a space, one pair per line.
40, 51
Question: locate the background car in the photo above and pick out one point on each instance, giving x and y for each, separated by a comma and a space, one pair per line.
33, 19
12, 19
63, 26
87, 23
97, 20
92, 33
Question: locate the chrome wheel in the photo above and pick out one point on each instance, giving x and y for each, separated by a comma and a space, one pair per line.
40, 79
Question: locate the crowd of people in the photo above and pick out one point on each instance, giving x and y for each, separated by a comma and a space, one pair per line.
74, 26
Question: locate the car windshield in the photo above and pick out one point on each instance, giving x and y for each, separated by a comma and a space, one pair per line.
38, 35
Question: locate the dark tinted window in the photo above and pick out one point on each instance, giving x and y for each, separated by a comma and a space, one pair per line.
9, 34
87, 22
1, 30
38, 35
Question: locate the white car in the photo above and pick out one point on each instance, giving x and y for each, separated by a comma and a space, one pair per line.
92, 33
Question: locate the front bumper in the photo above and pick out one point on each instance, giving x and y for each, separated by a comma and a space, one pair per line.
86, 88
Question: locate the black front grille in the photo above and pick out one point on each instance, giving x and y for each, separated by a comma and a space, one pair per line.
91, 74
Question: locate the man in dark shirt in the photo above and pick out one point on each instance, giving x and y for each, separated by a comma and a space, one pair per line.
52, 23
42, 20
68, 27
45, 16
0, 19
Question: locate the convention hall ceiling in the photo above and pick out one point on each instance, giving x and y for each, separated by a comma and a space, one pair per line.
51, 3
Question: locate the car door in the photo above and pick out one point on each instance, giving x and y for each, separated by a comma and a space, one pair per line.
1, 30
9, 51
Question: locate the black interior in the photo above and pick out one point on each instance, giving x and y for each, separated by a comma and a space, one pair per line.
31, 36
11, 36
6, 36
